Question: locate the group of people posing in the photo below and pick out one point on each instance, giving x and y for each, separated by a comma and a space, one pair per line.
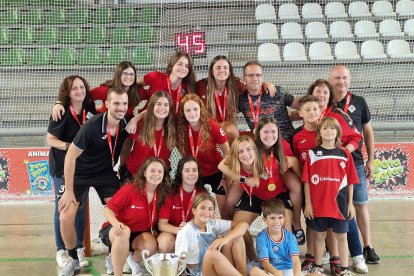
272, 170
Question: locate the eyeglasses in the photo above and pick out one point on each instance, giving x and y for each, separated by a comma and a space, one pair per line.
125, 74
254, 75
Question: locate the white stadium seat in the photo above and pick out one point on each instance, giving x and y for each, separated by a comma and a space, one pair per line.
335, 10
294, 51
311, 11
340, 29
399, 48
390, 27
265, 12
409, 27
320, 51
365, 28
268, 52
266, 31
372, 49
382, 8
288, 11
346, 50
316, 30
358, 9
291, 30
405, 7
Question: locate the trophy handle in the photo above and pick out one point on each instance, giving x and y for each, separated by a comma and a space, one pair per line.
147, 261
181, 263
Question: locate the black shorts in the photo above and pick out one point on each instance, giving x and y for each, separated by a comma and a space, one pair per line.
322, 223
106, 186
244, 203
104, 235
214, 181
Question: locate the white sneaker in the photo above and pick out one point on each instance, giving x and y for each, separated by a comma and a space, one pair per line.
83, 262
70, 267
126, 268
326, 257
108, 265
62, 257
358, 263
135, 267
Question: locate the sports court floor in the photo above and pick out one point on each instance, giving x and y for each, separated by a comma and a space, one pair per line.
27, 241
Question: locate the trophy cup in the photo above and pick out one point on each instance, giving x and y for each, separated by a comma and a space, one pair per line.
164, 264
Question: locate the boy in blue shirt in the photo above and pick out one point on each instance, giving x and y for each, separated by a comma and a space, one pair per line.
277, 248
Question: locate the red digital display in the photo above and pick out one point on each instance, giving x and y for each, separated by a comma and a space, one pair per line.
191, 42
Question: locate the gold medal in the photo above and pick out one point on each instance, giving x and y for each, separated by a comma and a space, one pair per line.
271, 187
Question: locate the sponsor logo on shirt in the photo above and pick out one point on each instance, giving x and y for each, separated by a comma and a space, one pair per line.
319, 153
136, 207
352, 108
343, 165
315, 179
176, 207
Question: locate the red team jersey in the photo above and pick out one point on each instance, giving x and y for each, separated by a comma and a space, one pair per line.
303, 141
132, 209
263, 191
157, 81
329, 172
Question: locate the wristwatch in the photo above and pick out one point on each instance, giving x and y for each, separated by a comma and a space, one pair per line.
243, 179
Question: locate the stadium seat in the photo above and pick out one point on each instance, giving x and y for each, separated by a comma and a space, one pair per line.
316, 30
80, 16
268, 52
57, 16
41, 3
358, 9
390, 27
16, 57
382, 8
97, 35
365, 28
149, 15
91, 56
65, 3
340, 29
294, 51
34, 17
115, 55
409, 27
320, 51
346, 50
372, 49
266, 31
265, 12
5, 36
311, 11
66, 56
49, 36
11, 16
73, 36
142, 56
19, 3
121, 35
335, 10
125, 15
41, 56
288, 11
102, 16
145, 34
405, 7
25, 36
399, 48
291, 30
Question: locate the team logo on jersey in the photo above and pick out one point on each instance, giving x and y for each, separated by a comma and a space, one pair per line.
177, 207
136, 207
89, 115
222, 132
275, 248
103, 137
352, 108
319, 153
315, 179
343, 165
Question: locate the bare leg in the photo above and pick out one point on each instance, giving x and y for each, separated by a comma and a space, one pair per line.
221, 202
363, 220
343, 248
144, 241
166, 242
288, 220
247, 217
258, 272
310, 241
292, 182
67, 226
235, 252
119, 249
332, 243
214, 263
319, 246
234, 194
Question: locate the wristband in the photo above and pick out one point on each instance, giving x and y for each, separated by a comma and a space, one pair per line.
243, 179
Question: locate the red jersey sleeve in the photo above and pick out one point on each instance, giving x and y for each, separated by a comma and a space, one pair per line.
287, 150
305, 172
120, 199
351, 173
201, 90
165, 211
350, 134
218, 133
98, 95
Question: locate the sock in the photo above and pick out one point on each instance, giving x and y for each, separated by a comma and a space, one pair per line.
344, 268
309, 258
315, 265
73, 253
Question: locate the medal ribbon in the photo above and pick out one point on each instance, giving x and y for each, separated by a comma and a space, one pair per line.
184, 214
324, 113
268, 164
151, 213
256, 114
249, 190
348, 99
194, 150
72, 111
109, 139
157, 149
222, 110
178, 98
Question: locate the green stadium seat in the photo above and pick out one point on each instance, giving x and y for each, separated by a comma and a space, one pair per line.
80, 16
63, 3
34, 17
25, 36
41, 56
16, 56
145, 34
5, 36
115, 55
103, 16
91, 56
66, 56
142, 56
125, 15
149, 15
20, 3
11, 16
49, 36
42, 3
57, 16
121, 35
97, 35
73, 36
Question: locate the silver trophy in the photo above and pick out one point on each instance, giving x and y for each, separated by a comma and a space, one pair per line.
164, 264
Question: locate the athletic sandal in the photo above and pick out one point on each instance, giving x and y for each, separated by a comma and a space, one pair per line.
300, 236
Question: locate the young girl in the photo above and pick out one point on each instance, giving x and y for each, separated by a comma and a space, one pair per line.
75, 96
207, 253
176, 211
328, 176
199, 135
155, 136
132, 214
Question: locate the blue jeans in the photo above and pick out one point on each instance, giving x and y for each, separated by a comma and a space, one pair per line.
354, 244
79, 220
360, 190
